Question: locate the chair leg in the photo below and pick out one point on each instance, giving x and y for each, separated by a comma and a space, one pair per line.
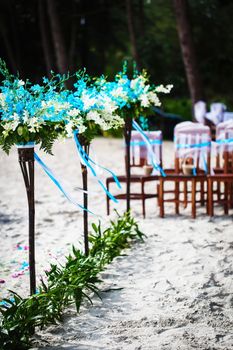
185, 194
210, 198
207, 199
226, 198
161, 198
231, 194
194, 198
158, 195
202, 189
143, 200
218, 191
177, 189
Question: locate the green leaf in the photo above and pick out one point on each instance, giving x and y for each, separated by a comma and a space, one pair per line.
20, 130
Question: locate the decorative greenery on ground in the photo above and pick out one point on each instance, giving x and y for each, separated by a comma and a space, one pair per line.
65, 285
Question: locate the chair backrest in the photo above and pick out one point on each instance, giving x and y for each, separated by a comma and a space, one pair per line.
222, 128
192, 141
224, 146
216, 112
139, 151
218, 107
200, 111
227, 116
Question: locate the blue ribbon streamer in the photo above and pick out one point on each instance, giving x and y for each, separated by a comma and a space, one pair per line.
88, 161
149, 148
58, 184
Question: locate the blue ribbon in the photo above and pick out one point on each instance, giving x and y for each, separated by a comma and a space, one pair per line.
149, 148
88, 161
143, 143
58, 184
194, 145
27, 145
225, 141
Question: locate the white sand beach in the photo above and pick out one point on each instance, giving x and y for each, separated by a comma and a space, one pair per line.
173, 292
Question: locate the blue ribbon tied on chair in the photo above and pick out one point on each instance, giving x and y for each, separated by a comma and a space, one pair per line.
200, 145
88, 162
148, 143
143, 143
224, 141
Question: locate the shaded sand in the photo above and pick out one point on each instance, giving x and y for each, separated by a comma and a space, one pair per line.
175, 291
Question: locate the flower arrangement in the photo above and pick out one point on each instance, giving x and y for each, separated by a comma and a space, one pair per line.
93, 109
32, 113
133, 96
41, 113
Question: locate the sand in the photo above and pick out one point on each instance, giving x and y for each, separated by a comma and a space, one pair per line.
174, 291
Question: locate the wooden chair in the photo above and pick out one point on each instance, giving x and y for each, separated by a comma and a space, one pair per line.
227, 201
214, 117
139, 158
223, 148
222, 176
192, 143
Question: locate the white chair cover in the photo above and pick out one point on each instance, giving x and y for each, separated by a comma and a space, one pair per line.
183, 125
139, 149
200, 111
224, 137
227, 116
193, 140
216, 112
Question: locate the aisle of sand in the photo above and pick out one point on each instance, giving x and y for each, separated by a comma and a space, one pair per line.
172, 292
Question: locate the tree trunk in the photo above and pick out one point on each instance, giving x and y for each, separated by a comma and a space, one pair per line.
44, 36
16, 34
7, 43
188, 50
73, 40
141, 18
84, 33
58, 40
132, 34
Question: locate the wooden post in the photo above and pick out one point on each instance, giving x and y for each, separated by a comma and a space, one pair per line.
26, 161
86, 147
127, 134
